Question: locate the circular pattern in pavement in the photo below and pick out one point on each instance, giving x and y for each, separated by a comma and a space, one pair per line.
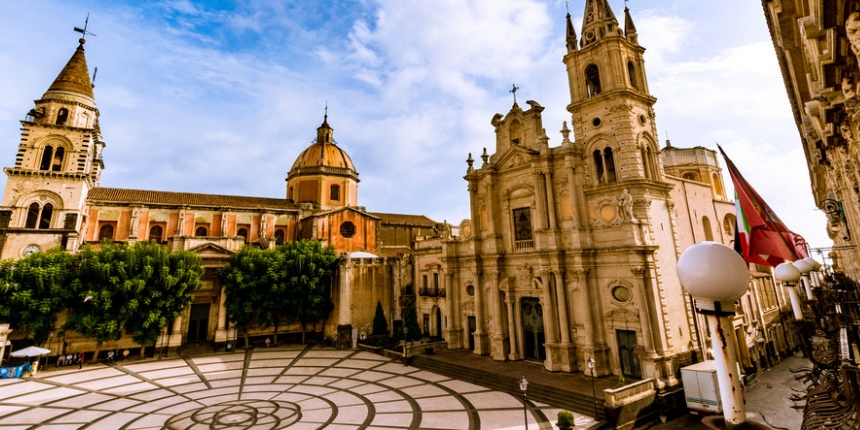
299, 388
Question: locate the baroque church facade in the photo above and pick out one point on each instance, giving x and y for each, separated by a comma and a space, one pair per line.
570, 252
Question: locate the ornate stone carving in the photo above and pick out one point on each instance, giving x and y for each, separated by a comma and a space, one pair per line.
622, 106
524, 276
625, 206
638, 270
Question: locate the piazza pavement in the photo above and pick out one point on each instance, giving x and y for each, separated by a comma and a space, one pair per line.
273, 388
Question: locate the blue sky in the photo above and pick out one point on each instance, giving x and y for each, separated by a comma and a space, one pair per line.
221, 96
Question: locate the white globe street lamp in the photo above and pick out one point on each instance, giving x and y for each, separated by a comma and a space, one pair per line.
805, 266
524, 385
716, 276
788, 274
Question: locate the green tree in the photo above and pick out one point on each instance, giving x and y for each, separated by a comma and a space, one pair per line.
304, 280
99, 294
380, 324
160, 283
34, 290
247, 280
410, 330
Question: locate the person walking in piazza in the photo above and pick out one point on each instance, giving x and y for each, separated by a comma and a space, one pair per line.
81, 361
268, 342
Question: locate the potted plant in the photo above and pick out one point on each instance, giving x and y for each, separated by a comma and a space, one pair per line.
565, 420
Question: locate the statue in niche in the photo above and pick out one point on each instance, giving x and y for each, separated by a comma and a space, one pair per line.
852, 31
625, 205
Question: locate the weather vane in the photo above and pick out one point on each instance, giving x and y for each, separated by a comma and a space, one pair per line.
84, 31
513, 90
567, 6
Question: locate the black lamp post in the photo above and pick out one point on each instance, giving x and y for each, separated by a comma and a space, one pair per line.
523, 386
405, 351
591, 364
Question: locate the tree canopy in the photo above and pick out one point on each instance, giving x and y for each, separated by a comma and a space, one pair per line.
34, 290
289, 283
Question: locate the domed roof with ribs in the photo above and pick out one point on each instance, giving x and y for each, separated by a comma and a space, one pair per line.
325, 155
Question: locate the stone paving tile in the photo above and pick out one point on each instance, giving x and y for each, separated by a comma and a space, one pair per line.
291, 387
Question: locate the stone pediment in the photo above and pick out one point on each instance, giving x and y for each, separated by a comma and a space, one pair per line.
211, 250
515, 156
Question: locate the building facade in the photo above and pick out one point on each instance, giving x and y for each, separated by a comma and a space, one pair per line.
570, 251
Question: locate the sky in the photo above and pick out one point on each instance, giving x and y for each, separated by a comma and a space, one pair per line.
221, 96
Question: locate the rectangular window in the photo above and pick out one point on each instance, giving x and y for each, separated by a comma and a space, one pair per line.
424, 284
335, 192
522, 224
435, 283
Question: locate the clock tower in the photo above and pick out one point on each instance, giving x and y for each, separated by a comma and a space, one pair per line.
59, 160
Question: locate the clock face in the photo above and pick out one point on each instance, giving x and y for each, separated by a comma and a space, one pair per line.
31, 249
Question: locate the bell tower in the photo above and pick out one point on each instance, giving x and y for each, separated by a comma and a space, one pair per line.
59, 160
611, 107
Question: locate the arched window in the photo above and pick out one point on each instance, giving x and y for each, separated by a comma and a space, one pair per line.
515, 132
62, 116
45, 218
610, 164
58, 159
598, 165
156, 233
631, 72
729, 225
242, 232
709, 233
47, 156
334, 192
106, 232
39, 216
279, 236
200, 232
32, 215
718, 186
592, 80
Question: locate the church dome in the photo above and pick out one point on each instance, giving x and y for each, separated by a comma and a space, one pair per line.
323, 153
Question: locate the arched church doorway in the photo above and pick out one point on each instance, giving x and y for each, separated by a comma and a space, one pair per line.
533, 334
198, 323
627, 357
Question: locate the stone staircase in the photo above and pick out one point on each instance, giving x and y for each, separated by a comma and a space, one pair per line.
551, 395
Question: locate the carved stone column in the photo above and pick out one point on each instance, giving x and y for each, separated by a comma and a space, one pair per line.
550, 200
481, 341
497, 342
221, 330
513, 339
453, 332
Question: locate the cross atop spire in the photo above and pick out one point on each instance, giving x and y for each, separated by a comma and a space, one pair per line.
84, 31
513, 90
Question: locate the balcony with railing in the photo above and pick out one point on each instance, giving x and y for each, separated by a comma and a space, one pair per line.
431, 292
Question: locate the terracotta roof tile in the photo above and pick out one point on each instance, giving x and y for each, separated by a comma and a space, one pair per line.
125, 196
405, 219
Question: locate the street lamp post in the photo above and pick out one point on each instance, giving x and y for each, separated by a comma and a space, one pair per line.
405, 350
805, 266
523, 386
717, 276
591, 364
788, 274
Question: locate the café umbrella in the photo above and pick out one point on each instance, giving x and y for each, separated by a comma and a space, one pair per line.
30, 351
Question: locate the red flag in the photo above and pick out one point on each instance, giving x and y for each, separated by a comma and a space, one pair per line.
762, 236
